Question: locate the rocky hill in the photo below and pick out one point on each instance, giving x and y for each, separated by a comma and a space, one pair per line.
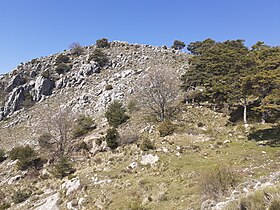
197, 160
82, 88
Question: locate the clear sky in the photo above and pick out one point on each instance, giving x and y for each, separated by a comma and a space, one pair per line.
35, 28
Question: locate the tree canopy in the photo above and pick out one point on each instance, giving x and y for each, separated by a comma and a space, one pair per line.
231, 73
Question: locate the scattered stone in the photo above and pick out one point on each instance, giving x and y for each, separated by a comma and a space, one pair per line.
14, 179
149, 159
227, 141
71, 185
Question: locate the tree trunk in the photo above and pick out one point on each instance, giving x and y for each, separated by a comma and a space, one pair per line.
245, 115
263, 117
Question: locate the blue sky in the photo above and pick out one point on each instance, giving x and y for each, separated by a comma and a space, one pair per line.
35, 28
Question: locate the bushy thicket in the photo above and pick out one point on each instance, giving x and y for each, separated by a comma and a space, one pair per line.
20, 196
61, 58
146, 144
84, 125
229, 73
2, 155
166, 128
4, 206
25, 155
102, 43
112, 137
62, 68
63, 168
116, 114
217, 182
76, 48
99, 57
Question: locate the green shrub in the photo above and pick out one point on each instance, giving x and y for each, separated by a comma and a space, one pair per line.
2, 155
112, 137
63, 168
26, 156
62, 68
102, 43
116, 114
99, 57
82, 146
28, 100
20, 196
178, 45
166, 128
147, 145
76, 48
83, 126
274, 205
99, 141
45, 141
109, 87
4, 206
217, 181
132, 106
62, 59
45, 74
136, 205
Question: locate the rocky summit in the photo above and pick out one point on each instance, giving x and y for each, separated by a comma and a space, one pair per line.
109, 126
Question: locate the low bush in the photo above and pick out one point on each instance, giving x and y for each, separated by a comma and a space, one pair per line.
26, 157
82, 146
99, 57
28, 100
45, 141
62, 68
76, 48
146, 144
45, 74
2, 155
112, 137
217, 182
102, 43
132, 106
116, 114
62, 59
99, 141
4, 206
84, 125
20, 196
166, 128
63, 168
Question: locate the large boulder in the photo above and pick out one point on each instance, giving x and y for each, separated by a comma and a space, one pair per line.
14, 101
89, 69
43, 86
16, 81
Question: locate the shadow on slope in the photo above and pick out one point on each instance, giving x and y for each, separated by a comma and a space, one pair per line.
272, 135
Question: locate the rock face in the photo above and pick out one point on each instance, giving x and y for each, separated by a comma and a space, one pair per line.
43, 87
14, 101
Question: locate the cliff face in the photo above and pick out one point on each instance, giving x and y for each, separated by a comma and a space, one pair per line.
78, 82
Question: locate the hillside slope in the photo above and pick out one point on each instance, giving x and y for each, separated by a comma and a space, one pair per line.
206, 162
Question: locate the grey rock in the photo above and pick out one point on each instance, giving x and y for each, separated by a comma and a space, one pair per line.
14, 101
16, 81
208, 205
43, 86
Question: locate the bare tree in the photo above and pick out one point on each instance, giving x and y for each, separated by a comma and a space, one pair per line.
157, 92
56, 137
76, 48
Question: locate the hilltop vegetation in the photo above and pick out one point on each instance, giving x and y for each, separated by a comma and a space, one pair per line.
230, 74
